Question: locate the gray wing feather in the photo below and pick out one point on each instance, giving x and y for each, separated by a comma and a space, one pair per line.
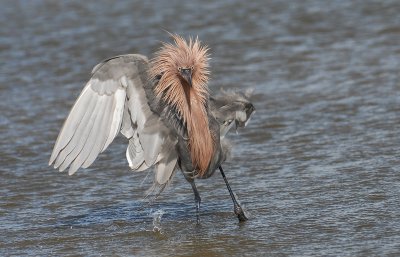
101, 137
167, 164
165, 169
114, 100
151, 130
232, 108
126, 128
75, 146
97, 138
134, 153
94, 136
67, 142
74, 119
117, 113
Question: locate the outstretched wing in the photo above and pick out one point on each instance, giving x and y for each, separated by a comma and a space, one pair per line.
115, 100
231, 108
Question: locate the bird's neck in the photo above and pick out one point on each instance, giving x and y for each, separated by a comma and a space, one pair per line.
191, 102
201, 141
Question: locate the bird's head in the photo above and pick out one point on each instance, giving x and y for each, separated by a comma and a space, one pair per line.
182, 67
182, 72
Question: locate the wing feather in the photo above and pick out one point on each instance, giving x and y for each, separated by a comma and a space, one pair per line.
80, 137
118, 110
115, 100
134, 153
74, 119
70, 140
92, 137
98, 145
165, 168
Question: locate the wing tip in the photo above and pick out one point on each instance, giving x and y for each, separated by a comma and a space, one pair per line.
72, 171
53, 157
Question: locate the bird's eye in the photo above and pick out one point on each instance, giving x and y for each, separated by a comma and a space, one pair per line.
179, 68
192, 68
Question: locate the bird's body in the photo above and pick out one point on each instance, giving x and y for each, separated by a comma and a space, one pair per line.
161, 106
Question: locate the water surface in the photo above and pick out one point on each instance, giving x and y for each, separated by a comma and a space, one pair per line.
317, 168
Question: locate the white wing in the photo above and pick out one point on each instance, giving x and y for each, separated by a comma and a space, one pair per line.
115, 100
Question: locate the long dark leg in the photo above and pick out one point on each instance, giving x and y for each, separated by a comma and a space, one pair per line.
237, 209
197, 199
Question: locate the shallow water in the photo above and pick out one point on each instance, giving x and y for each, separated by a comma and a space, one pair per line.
317, 167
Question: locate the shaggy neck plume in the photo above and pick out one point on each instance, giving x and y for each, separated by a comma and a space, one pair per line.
190, 101
201, 143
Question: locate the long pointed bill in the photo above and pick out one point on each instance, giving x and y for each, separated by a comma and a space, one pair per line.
187, 75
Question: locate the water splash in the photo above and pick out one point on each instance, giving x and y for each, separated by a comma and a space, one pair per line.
243, 206
157, 215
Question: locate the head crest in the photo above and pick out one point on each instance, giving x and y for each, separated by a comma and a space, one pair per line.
182, 54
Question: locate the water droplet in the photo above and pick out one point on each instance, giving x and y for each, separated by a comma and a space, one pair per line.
157, 215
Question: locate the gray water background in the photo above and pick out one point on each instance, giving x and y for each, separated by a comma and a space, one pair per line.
317, 168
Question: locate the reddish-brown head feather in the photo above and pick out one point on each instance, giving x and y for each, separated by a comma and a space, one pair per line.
190, 101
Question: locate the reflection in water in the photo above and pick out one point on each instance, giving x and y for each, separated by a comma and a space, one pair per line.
317, 167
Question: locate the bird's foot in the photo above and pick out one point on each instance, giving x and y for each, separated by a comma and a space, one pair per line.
240, 214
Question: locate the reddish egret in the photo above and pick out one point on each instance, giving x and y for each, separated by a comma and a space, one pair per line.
163, 108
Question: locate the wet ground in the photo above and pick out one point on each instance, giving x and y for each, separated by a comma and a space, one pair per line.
317, 168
